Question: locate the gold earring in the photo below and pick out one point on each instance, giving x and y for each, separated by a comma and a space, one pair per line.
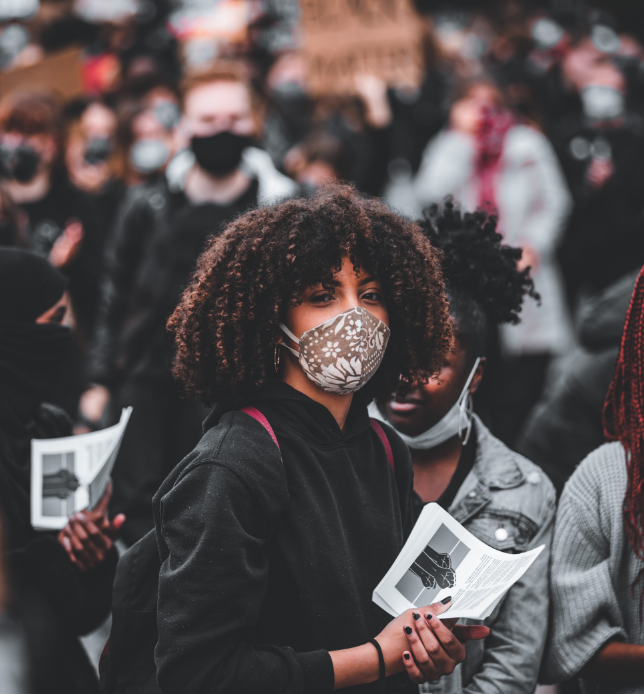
276, 358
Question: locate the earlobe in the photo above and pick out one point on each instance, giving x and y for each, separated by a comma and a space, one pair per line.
478, 376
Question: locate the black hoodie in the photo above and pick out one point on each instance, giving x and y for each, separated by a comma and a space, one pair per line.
269, 564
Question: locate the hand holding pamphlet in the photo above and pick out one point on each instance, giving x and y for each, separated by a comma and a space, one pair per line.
71, 474
440, 559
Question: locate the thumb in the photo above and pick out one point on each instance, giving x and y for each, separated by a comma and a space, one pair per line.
470, 633
101, 507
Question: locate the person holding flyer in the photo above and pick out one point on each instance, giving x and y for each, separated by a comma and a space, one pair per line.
61, 584
275, 530
500, 497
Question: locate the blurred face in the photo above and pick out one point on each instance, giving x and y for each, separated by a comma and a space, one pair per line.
146, 126
414, 411
467, 113
98, 121
217, 107
44, 145
57, 313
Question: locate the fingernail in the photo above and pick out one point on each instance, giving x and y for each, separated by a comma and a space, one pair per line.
428, 616
444, 601
416, 615
408, 630
406, 656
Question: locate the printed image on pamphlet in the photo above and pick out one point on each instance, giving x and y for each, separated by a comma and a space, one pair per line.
71, 474
440, 559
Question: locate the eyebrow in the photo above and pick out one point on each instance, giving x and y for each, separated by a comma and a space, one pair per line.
366, 280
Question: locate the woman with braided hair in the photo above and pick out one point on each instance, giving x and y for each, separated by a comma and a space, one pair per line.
499, 496
597, 572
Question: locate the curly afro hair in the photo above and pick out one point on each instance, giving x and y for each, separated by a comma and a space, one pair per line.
226, 324
484, 286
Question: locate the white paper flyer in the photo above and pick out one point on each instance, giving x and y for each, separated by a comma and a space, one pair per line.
70, 474
442, 558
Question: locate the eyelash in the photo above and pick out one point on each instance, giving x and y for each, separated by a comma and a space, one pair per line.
320, 298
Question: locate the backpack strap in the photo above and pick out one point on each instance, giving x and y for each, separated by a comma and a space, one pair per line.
375, 425
258, 416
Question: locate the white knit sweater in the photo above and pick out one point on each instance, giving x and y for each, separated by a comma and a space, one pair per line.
593, 569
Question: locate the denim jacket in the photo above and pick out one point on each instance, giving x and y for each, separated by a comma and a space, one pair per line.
504, 490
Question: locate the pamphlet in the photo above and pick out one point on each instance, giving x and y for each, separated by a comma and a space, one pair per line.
442, 558
71, 474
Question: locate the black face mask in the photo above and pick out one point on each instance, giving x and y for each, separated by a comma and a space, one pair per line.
220, 154
19, 163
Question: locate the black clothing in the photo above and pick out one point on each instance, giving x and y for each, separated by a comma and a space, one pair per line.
32, 283
48, 218
604, 238
163, 429
418, 115
336, 517
30, 353
463, 469
518, 383
567, 424
50, 598
158, 237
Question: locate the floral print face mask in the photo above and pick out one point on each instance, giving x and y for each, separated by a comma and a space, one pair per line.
342, 354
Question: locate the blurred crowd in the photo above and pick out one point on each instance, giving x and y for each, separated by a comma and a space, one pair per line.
193, 112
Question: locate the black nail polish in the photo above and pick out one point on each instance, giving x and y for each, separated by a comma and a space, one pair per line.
406, 656
428, 616
408, 630
416, 616
444, 601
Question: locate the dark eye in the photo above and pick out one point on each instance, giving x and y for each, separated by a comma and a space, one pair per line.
372, 295
322, 298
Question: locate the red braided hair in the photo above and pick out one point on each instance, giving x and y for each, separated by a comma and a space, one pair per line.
624, 417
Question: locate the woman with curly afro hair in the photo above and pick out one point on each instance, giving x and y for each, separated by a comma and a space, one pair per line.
499, 496
275, 531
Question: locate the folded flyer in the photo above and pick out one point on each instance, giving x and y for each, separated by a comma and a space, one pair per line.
71, 473
442, 558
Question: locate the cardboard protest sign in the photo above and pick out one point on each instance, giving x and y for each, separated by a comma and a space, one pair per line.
343, 38
60, 72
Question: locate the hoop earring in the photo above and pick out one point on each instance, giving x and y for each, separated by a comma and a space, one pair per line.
276, 358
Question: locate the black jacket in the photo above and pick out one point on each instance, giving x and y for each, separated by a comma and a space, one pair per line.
268, 564
51, 600
566, 425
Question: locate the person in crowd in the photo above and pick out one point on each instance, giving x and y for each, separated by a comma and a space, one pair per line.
90, 158
159, 235
566, 424
319, 159
596, 575
488, 159
59, 585
362, 123
291, 615
602, 153
62, 222
500, 497
146, 142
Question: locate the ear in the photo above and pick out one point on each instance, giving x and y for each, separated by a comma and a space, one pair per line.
478, 375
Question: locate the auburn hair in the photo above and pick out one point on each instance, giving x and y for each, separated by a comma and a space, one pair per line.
624, 417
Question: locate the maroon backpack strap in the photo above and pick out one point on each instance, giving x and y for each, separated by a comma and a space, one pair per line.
375, 425
257, 415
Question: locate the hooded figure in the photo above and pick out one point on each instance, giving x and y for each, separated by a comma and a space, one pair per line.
49, 597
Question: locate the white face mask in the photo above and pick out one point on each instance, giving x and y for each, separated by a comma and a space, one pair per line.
342, 354
457, 421
602, 103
